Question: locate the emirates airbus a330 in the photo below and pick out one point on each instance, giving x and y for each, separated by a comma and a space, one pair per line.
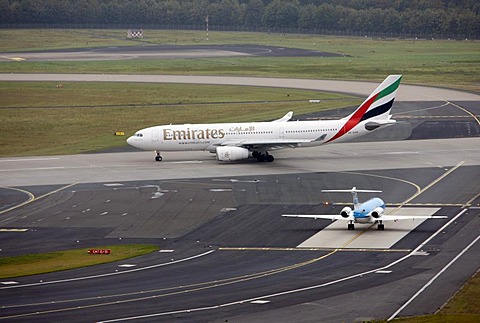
237, 141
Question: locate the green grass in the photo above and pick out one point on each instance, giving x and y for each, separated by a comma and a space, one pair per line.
33, 264
41, 119
447, 63
31, 127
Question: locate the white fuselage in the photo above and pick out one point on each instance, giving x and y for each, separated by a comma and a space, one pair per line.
190, 137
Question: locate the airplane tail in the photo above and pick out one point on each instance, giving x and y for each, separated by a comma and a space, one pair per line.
354, 192
375, 109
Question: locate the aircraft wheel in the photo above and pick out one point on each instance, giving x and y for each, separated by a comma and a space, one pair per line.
351, 226
158, 158
381, 227
269, 158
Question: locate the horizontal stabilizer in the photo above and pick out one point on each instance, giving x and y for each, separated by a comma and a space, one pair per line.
353, 190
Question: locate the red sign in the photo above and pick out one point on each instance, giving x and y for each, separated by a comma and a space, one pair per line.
99, 251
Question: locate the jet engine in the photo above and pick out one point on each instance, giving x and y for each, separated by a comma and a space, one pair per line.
346, 211
376, 213
229, 153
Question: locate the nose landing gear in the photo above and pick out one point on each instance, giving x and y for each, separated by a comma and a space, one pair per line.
158, 158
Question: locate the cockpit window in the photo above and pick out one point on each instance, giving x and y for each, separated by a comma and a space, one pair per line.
138, 134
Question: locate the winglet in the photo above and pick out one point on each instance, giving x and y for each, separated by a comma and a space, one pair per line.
285, 118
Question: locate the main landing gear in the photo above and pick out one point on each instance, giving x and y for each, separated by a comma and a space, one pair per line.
263, 157
380, 226
158, 158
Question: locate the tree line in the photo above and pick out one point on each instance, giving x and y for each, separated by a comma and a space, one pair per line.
428, 17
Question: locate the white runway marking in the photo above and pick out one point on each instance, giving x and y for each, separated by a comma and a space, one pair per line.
336, 234
27, 159
172, 262
261, 302
9, 283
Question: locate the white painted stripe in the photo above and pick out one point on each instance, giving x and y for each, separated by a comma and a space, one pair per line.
166, 250
112, 273
433, 279
37, 168
260, 302
384, 272
213, 307
13, 230
27, 160
9, 283
127, 266
186, 162
227, 209
113, 184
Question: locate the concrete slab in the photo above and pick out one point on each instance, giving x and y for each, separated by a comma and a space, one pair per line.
366, 236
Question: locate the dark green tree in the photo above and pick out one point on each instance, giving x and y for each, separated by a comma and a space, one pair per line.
253, 13
281, 13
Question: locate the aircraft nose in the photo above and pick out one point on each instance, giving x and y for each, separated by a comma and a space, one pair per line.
132, 141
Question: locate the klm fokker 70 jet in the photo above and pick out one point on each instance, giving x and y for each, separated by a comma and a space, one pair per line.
371, 211
236, 141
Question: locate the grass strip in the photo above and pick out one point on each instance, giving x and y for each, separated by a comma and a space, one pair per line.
41, 119
33, 264
449, 63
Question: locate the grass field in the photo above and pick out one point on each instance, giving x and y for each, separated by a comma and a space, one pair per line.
32, 127
41, 119
449, 63
33, 264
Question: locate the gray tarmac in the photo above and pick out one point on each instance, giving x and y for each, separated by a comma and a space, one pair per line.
226, 253
162, 52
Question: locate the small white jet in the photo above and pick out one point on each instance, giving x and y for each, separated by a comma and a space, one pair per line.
237, 141
371, 211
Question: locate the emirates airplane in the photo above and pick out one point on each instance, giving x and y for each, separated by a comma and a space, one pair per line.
237, 141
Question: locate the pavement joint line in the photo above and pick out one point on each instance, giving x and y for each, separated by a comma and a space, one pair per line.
469, 202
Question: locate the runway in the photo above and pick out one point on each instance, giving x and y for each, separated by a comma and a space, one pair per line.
406, 92
226, 252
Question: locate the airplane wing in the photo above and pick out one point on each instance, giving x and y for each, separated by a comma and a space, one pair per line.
285, 118
270, 144
396, 218
319, 216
